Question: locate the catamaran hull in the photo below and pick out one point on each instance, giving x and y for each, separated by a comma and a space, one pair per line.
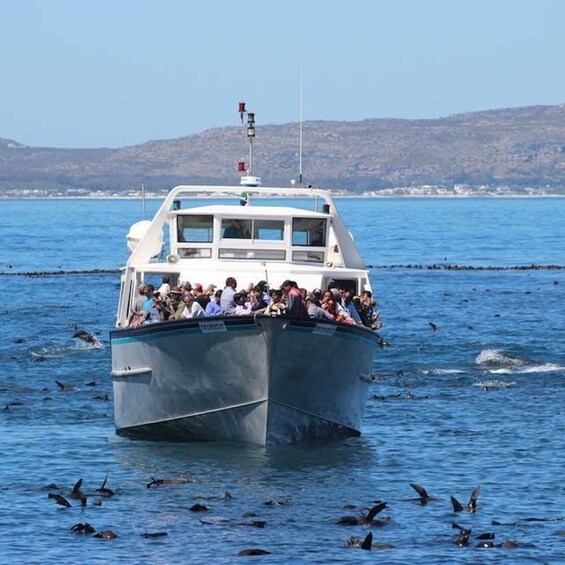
260, 380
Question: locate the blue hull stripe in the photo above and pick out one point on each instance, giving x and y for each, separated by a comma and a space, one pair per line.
180, 331
233, 324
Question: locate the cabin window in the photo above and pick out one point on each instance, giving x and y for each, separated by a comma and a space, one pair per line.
236, 229
195, 252
308, 256
258, 254
272, 230
310, 232
195, 229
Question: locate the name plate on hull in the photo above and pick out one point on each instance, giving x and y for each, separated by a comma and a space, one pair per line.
212, 327
324, 329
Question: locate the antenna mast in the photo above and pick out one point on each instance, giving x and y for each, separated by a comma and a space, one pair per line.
300, 142
248, 179
143, 200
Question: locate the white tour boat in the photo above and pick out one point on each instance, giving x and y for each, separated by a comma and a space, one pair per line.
258, 379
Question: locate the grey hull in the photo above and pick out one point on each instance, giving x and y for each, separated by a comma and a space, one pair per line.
259, 380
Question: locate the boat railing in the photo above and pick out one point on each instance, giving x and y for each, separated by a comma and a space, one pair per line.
142, 253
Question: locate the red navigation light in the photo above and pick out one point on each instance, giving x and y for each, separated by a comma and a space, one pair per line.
241, 167
241, 110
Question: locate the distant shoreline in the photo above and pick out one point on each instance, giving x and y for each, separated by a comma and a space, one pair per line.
335, 196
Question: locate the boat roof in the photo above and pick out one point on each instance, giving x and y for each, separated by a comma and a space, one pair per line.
226, 210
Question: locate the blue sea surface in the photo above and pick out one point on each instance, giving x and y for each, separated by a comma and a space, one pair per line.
478, 401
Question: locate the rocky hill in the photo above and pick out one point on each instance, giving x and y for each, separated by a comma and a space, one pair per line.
518, 147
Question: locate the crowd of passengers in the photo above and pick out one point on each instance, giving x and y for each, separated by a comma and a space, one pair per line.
186, 301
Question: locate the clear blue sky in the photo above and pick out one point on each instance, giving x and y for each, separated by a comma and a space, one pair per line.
111, 73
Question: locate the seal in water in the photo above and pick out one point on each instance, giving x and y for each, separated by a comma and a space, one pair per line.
462, 538
198, 508
106, 534
471, 505
85, 336
424, 496
76, 492
157, 482
253, 551
82, 528
368, 519
59, 499
103, 491
367, 543
64, 386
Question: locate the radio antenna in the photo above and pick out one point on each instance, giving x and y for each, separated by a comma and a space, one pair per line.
143, 200
300, 142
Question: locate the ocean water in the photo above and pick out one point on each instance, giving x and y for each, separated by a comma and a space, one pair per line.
479, 401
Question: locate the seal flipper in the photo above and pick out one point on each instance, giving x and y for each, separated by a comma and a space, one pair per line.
368, 541
424, 497
472, 506
375, 510
59, 499
456, 505
460, 528
76, 492
108, 492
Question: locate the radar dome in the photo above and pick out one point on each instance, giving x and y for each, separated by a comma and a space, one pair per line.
137, 232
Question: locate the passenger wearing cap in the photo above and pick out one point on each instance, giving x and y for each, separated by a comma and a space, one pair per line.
165, 289
177, 304
185, 286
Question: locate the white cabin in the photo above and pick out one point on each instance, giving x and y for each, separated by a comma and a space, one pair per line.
207, 244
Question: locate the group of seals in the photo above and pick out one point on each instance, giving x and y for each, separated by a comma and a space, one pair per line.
77, 494
367, 518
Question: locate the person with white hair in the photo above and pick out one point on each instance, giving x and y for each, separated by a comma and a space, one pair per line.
192, 308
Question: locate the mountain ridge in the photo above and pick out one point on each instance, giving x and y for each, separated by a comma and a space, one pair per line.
519, 147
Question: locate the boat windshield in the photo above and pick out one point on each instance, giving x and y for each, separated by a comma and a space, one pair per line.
236, 229
195, 229
310, 232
